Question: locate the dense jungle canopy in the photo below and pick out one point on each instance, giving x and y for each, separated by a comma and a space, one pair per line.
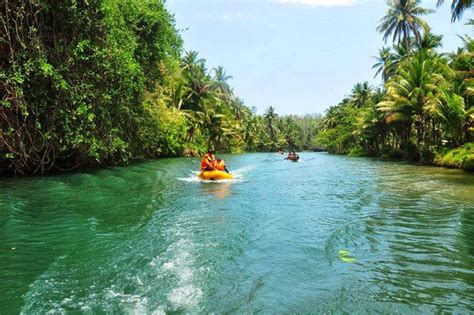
101, 82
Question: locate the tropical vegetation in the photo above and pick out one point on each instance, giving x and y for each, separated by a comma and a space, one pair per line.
424, 110
104, 82
100, 82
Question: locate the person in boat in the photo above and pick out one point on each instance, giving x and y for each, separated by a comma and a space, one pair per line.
292, 156
207, 162
220, 165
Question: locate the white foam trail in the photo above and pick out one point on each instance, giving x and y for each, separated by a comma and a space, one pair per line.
178, 262
190, 179
238, 176
185, 296
243, 170
195, 179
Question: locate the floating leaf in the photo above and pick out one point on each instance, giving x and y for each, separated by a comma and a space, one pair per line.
346, 256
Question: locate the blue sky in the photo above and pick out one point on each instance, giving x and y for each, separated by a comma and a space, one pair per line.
300, 56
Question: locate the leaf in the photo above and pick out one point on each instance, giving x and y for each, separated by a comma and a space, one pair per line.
346, 256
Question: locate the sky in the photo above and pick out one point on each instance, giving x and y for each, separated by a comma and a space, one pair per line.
299, 56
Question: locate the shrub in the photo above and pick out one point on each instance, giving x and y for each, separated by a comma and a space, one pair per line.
427, 154
462, 157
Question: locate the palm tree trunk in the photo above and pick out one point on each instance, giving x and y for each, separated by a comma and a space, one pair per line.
407, 39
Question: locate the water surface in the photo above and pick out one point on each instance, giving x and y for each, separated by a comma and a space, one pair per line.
149, 238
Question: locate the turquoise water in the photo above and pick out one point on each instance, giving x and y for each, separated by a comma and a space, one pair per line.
150, 238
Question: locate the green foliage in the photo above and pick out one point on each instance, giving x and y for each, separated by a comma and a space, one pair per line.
425, 105
105, 81
427, 154
75, 74
216, 117
458, 7
162, 129
462, 157
403, 19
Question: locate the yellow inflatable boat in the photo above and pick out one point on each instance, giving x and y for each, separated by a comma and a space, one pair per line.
215, 175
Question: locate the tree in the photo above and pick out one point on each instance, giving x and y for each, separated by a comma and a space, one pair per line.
463, 63
251, 124
360, 94
457, 8
271, 119
74, 75
190, 60
220, 81
411, 93
451, 112
385, 64
197, 82
429, 41
402, 20
334, 115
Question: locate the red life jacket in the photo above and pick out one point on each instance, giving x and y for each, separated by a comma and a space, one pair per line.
207, 162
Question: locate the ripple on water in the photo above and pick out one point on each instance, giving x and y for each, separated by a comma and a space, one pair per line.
139, 240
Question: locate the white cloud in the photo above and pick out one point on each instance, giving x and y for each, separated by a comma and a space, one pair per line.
320, 3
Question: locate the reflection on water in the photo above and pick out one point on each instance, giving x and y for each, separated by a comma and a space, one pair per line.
152, 238
220, 190
466, 233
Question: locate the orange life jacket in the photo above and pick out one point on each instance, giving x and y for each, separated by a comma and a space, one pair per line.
220, 165
207, 161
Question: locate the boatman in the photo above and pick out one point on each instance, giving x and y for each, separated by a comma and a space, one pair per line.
207, 162
220, 165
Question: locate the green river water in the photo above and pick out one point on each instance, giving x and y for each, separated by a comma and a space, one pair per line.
330, 234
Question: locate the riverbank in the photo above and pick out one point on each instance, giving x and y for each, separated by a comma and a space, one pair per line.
462, 157
458, 158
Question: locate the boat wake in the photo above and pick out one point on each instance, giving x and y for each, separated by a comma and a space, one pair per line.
239, 176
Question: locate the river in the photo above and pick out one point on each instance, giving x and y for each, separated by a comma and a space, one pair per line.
330, 234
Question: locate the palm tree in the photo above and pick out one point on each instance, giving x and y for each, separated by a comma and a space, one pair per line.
463, 84
384, 64
250, 132
402, 20
451, 112
457, 8
198, 86
220, 84
195, 120
400, 53
361, 94
238, 108
221, 77
429, 41
411, 93
198, 98
271, 120
290, 131
218, 126
332, 117
190, 60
